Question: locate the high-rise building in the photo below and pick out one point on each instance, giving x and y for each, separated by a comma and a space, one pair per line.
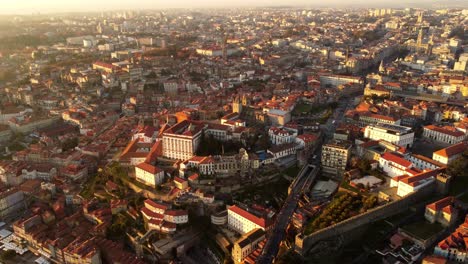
335, 157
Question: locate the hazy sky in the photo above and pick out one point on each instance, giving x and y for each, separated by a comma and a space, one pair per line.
46, 6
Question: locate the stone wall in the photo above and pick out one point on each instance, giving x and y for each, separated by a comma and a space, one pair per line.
303, 244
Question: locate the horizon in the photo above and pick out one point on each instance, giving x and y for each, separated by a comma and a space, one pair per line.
27, 7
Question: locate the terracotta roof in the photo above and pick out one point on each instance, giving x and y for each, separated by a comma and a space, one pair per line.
150, 203
149, 168
451, 131
249, 216
397, 159
452, 150
441, 204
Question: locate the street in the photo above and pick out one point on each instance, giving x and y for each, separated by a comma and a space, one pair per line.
305, 176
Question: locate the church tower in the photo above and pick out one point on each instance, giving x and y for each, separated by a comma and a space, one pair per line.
420, 18
245, 100
381, 67
420, 37
236, 105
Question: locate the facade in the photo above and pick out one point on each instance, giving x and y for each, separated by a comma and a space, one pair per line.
176, 216
449, 154
280, 136
219, 218
454, 247
222, 165
243, 221
407, 184
424, 163
394, 164
149, 174
442, 211
449, 135
146, 134
11, 201
247, 244
335, 157
399, 135
181, 140
373, 119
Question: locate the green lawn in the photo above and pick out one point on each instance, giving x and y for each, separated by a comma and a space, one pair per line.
423, 229
302, 108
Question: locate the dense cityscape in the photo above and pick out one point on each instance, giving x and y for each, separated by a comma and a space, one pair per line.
244, 135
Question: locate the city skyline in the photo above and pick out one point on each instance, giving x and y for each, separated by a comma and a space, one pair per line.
56, 6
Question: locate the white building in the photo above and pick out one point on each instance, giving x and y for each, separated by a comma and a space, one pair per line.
176, 216
181, 140
146, 134
449, 135
424, 163
449, 154
149, 174
280, 136
394, 164
398, 135
407, 184
243, 221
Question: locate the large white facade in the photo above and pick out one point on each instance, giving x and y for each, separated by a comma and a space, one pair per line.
398, 135
238, 219
149, 174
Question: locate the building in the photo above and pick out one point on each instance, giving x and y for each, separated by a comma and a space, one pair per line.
176, 216
335, 157
399, 135
149, 174
334, 80
442, 211
219, 218
11, 201
407, 184
366, 119
181, 140
449, 154
424, 163
222, 165
454, 247
394, 164
247, 244
449, 135
146, 134
244, 221
280, 136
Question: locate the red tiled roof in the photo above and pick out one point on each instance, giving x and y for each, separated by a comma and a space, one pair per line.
150, 214
438, 205
149, 168
452, 150
151, 203
176, 212
451, 131
397, 159
247, 215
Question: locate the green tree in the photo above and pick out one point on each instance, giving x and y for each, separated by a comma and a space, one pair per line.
7, 255
458, 167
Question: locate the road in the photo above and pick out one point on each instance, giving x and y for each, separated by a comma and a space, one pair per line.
337, 118
278, 231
